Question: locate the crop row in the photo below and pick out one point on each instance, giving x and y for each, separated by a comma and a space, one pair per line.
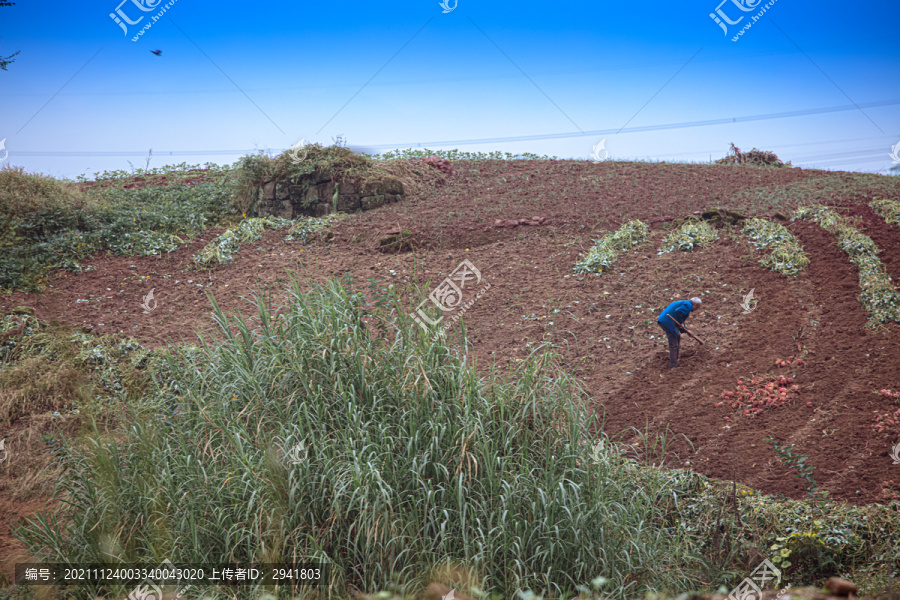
787, 255
879, 297
222, 249
606, 250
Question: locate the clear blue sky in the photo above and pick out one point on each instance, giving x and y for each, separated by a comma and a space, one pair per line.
233, 77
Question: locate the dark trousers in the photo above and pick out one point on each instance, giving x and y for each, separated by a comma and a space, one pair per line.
674, 345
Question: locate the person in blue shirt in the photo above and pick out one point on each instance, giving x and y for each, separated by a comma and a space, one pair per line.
678, 310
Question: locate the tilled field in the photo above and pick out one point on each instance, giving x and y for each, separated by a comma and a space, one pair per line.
602, 327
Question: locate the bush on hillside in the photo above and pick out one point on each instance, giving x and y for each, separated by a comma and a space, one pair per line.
756, 158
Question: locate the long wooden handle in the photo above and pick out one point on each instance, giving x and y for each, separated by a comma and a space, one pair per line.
686, 330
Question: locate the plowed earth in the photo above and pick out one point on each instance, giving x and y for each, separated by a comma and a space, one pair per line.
603, 327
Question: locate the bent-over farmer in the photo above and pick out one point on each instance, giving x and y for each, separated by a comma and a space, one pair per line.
678, 310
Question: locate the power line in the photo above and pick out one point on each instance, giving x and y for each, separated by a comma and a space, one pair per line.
523, 138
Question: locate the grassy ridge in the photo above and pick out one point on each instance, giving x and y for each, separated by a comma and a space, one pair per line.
46, 224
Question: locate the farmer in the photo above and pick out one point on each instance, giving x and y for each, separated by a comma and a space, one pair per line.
678, 310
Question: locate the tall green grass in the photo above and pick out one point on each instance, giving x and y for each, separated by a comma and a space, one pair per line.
411, 461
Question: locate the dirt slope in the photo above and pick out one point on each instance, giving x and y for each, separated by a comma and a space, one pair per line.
604, 327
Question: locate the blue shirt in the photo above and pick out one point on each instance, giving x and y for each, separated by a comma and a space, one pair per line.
680, 309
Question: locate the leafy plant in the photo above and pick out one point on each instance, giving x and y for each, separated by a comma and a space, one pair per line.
222, 249
48, 224
794, 460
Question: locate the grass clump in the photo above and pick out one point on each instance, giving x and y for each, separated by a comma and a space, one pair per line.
283, 444
606, 250
787, 256
879, 297
889, 208
694, 233
22, 194
493, 473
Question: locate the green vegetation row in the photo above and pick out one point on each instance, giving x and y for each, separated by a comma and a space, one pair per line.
606, 250
334, 430
889, 208
879, 297
694, 233
222, 249
787, 254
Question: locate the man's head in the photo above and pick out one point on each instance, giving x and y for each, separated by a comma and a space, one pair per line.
696, 302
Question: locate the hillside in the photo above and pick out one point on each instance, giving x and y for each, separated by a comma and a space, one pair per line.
524, 224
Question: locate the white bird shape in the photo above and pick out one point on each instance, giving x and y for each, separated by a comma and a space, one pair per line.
747, 300
146, 305
895, 153
601, 145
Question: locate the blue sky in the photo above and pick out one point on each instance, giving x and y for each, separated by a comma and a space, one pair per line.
233, 78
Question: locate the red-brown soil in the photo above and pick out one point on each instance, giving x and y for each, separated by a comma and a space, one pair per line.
604, 330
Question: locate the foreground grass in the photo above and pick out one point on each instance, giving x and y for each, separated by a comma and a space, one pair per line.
403, 460
409, 460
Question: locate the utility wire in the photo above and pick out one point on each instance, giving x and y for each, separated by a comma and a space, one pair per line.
522, 138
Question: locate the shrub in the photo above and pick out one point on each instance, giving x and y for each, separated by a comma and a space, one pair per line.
758, 158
